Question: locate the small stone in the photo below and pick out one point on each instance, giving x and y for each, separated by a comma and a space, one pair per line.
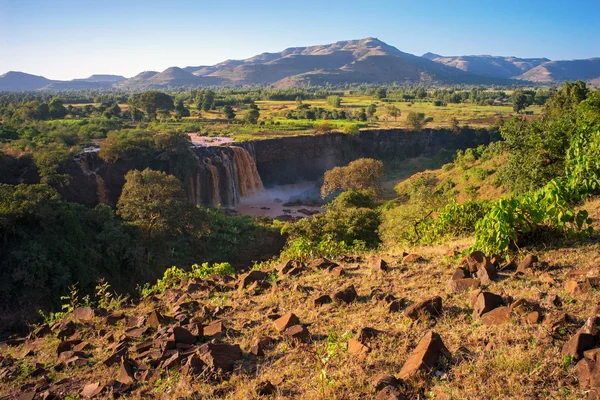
411, 258
84, 314
322, 263
425, 356
91, 390
390, 393
125, 373
214, 328
578, 343
321, 300
497, 316
471, 262
298, 332
486, 302
259, 345
286, 321
250, 277
428, 307
381, 265
182, 335
460, 273
220, 356
356, 348
337, 271
383, 380
462, 285
578, 288
347, 295
533, 317
527, 263
154, 320
265, 388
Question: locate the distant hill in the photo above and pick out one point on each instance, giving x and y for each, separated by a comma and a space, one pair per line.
492, 66
12, 81
366, 60
571, 70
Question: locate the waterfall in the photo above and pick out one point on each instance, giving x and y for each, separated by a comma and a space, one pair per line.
86, 162
224, 174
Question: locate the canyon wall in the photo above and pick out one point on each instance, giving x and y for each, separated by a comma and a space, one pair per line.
224, 174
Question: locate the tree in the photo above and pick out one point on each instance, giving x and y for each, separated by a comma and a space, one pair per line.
298, 101
371, 110
380, 93
334, 101
208, 100
393, 111
323, 127
416, 121
152, 201
152, 100
362, 115
519, 101
229, 113
351, 129
113, 111
181, 110
253, 114
361, 174
57, 109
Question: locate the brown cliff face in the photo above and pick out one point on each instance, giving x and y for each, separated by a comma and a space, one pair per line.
224, 174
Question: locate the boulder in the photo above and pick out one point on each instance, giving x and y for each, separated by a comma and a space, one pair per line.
265, 388
425, 356
284, 322
380, 265
322, 263
214, 328
83, 314
126, 375
578, 343
527, 263
347, 295
472, 262
428, 307
298, 332
462, 285
182, 335
383, 380
486, 302
460, 273
220, 356
356, 348
321, 300
251, 277
497, 316
337, 271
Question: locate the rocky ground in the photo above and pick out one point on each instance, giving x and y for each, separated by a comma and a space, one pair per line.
387, 326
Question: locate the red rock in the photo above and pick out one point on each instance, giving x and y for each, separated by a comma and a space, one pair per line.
356, 348
337, 271
286, 321
390, 393
322, 263
265, 388
555, 321
214, 328
578, 343
428, 307
66, 345
321, 300
125, 373
462, 285
91, 390
115, 317
588, 373
394, 306
425, 356
411, 258
381, 265
383, 380
135, 333
486, 273
367, 333
471, 262
155, 319
347, 295
578, 288
527, 263
220, 356
259, 345
182, 335
84, 314
460, 273
486, 302
250, 277
497, 316
533, 317
298, 332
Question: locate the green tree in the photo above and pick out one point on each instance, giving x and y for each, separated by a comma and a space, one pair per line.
152, 201
371, 110
334, 101
519, 101
208, 100
151, 101
181, 110
393, 111
253, 115
229, 113
361, 174
380, 93
416, 121
56, 109
362, 115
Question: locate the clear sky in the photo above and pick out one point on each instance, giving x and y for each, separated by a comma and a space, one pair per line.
65, 39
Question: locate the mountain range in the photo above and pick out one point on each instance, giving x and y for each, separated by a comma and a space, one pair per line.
366, 60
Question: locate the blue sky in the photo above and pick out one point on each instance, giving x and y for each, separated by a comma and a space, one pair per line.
64, 39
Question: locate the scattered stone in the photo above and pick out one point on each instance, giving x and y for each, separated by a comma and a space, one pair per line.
182, 335
367, 333
135, 333
347, 295
322, 263
578, 288
462, 285
220, 356
338, 271
578, 343
510, 265
298, 332
460, 273
472, 262
265, 388
66, 345
383, 380
429, 307
115, 317
91, 390
487, 273
214, 328
69, 358
381, 265
259, 345
527, 263
321, 300
555, 321
486, 302
390, 393
497, 316
425, 356
290, 268
251, 277
394, 306
411, 258
356, 348
155, 319
588, 373
126, 373
286, 321
84, 314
